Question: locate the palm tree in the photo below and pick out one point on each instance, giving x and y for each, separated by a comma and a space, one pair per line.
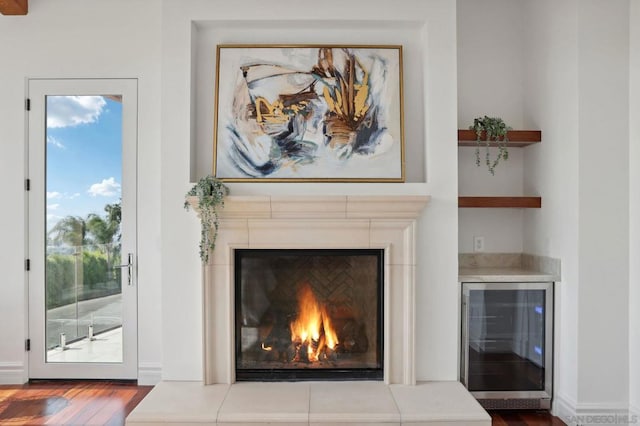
114, 218
71, 230
106, 230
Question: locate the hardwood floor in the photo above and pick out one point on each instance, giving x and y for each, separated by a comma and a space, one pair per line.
524, 418
69, 402
109, 403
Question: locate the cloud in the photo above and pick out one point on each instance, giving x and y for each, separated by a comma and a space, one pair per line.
106, 188
68, 111
55, 195
52, 206
55, 142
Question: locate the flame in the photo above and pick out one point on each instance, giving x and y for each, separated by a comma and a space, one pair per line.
312, 327
329, 332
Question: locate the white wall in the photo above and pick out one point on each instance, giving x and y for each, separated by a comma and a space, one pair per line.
501, 228
551, 168
430, 116
76, 39
575, 76
72, 38
603, 83
577, 79
571, 49
634, 209
490, 60
490, 82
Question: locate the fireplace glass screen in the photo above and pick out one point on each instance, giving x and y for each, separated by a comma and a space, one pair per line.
308, 314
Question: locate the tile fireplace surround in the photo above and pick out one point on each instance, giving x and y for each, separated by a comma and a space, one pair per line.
326, 222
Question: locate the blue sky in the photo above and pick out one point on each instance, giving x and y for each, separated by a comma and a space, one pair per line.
84, 155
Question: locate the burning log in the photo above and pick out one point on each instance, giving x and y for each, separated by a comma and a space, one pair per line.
354, 338
310, 337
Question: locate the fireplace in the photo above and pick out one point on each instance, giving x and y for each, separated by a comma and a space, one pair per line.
380, 223
309, 314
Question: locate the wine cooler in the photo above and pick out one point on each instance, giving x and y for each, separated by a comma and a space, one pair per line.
507, 338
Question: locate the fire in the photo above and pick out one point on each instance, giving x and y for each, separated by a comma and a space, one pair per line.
312, 328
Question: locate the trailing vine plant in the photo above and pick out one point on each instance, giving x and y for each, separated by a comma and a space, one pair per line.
210, 192
495, 130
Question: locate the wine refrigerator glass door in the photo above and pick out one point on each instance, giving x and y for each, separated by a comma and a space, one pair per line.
507, 339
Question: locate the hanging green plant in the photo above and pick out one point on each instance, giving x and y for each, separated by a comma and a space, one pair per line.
210, 192
493, 129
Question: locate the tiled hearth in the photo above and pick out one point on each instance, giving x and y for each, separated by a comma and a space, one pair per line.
326, 222
310, 403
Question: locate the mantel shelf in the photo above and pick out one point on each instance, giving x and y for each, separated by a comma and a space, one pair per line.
517, 138
500, 202
320, 206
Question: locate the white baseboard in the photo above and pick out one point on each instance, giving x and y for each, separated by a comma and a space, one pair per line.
564, 407
584, 414
634, 413
149, 373
12, 373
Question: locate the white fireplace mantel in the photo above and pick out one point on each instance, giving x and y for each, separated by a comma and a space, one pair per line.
291, 222
321, 207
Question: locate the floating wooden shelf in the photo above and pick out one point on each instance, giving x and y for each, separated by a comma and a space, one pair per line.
517, 138
505, 202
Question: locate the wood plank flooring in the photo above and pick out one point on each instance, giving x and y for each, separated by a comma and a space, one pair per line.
109, 403
524, 418
69, 402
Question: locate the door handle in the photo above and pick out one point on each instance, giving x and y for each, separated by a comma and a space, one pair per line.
129, 266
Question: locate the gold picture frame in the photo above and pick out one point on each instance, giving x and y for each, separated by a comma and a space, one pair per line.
309, 113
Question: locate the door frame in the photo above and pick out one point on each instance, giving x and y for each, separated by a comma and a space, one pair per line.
37, 90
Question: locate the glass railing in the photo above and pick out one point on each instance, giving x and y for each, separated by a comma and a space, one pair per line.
83, 291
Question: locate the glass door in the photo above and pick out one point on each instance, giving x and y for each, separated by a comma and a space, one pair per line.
82, 228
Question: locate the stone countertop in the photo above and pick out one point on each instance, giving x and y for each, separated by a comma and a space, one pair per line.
499, 274
507, 267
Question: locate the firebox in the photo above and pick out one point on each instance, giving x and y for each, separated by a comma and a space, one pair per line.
309, 314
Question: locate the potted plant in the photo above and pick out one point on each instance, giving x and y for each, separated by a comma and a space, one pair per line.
492, 129
210, 192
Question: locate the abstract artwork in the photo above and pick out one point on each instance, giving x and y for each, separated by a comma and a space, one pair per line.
304, 113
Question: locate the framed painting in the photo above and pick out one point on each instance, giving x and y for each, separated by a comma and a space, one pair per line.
292, 113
